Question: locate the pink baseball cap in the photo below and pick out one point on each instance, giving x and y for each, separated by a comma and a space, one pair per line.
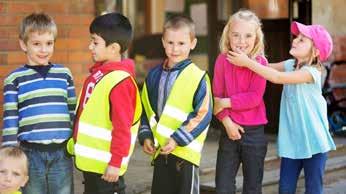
319, 36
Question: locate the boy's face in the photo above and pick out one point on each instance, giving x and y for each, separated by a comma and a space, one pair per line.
12, 175
99, 51
39, 48
178, 44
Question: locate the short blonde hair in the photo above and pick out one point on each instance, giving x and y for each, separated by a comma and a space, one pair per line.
178, 22
37, 22
248, 16
17, 154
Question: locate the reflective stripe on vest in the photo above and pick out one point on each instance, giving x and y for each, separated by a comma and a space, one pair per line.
92, 147
177, 108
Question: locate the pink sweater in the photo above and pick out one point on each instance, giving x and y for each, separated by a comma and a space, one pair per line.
245, 90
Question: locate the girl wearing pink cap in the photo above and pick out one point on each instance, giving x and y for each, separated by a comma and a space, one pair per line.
304, 138
238, 95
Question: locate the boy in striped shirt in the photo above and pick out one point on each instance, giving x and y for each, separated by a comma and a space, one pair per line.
39, 103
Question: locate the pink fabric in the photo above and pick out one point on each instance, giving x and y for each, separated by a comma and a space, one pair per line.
245, 90
319, 36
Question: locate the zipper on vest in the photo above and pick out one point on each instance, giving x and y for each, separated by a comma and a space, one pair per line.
166, 159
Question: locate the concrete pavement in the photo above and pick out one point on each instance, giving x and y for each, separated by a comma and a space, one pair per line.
139, 175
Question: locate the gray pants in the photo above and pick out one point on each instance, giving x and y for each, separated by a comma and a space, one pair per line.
250, 151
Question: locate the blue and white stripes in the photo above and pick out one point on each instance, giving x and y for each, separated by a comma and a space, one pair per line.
37, 109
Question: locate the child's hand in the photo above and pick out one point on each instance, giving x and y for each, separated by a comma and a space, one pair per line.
238, 58
148, 147
220, 104
169, 147
232, 129
111, 174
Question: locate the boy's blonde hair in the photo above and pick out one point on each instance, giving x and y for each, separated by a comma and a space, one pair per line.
17, 154
248, 16
37, 22
180, 21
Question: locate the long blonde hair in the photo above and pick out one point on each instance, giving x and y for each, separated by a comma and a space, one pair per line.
248, 16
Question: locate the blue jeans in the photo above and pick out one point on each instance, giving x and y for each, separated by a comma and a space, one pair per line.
50, 172
313, 172
249, 151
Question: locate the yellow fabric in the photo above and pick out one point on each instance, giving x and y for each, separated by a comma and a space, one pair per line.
92, 147
179, 104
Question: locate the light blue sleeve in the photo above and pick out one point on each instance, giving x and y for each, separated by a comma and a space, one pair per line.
289, 65
315, 73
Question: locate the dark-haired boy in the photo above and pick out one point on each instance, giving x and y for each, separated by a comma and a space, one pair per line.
109, 108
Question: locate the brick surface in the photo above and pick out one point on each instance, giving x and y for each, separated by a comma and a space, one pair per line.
21, 7
7, 32
3, 60
2, 8
9, 45
56, 7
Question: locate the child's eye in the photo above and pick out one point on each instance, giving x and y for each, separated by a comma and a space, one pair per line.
181, 43
16, 174
36, 44
170, 42
50, 43
249, 36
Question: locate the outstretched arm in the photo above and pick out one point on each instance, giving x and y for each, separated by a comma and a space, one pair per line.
278, 66
273, 75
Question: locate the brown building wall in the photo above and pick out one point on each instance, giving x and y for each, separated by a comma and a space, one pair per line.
72, 17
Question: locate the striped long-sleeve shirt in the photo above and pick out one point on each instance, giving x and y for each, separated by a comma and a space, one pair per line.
38, 109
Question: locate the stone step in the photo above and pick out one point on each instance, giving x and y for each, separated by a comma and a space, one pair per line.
336, 161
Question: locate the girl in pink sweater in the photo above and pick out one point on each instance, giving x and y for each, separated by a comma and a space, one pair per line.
238, 96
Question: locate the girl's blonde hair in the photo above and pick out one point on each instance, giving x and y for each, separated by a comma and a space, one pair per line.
249, 16
17, 154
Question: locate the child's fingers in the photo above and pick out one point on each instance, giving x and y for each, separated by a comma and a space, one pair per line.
241, 129
167, 149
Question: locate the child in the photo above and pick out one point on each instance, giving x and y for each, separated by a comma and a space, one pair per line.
103, 142
39, 102
178, 108
13, 170
239, 105
304, 139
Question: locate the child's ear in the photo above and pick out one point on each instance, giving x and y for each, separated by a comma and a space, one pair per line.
26, 178
193, 43
317, 52
163, 42
22, 45
115, 47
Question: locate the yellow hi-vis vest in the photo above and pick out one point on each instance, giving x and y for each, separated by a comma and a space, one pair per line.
179, 104
92, 146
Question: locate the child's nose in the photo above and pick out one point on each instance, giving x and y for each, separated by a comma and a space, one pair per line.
175, 47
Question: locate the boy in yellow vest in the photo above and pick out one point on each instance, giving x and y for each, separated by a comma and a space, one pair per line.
177, 101
13, 170
109, 109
